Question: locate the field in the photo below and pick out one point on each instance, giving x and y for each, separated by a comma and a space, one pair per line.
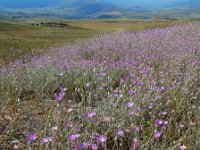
19, 38
30, 37
129, 85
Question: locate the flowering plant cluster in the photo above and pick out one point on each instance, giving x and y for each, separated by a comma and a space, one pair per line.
116, 91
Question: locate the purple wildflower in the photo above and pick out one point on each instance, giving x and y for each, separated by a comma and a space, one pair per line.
163, 113
127, 130
54, 128
91, 114
135, 112
59, 96
15, 146
115, 94
128, 104
165, 122
158, 122
134, 143
76, 146
150, 107
94, 147
194, 97
73, 137
153, 83
181, 126
31, 137
83, 145
119, 132
137, 129
106, 119
70, 110
182, 147
131, 91
46, 140
87, 85
101, 138
157, 135
161, 89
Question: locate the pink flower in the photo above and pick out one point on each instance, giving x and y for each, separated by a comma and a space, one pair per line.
106, 119
119, 132
73, 137
135, 112
94, 147
128, 104
87, 85
54, 128
157, 135
161, 89
101, 138
158, 122
164, 113
136, 129
15, 146
59, 96
46, 140
134, 143
194, 97
153, 82
76, 146
31, 137
183, 147
181, 126
150, 107
91, 114
127, 130
131, 91
83, 145
165, 122
114, 94
70, 110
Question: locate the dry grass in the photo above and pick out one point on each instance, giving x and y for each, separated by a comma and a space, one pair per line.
19, 38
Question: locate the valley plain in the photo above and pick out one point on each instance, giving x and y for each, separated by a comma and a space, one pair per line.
35, 36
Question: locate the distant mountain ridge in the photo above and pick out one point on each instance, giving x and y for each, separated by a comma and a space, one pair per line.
78, 9
147, 4
22, 4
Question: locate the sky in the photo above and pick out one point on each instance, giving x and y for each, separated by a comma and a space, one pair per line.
127, 3
158, 3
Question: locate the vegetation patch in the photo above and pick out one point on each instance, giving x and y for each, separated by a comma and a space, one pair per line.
114, 91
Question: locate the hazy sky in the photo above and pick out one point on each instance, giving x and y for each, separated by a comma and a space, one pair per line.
158, 3
138, 3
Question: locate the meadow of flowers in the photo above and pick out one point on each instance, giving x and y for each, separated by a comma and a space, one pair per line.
117, 91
